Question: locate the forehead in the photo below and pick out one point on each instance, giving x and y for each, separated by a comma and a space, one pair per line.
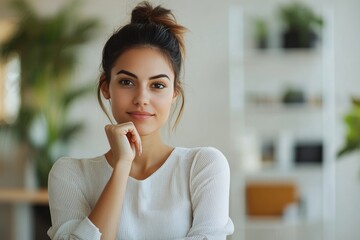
144, 60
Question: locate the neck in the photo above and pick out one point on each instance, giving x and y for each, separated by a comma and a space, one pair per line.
153, 156
152, 149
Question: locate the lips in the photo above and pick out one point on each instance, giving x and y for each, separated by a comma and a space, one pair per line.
140, 115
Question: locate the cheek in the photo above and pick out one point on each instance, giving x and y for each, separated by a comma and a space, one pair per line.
119, 99
164, 102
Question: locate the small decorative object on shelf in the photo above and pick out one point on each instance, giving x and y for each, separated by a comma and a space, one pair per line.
300, 25
309, 152
268, 153
260, 33
292, 95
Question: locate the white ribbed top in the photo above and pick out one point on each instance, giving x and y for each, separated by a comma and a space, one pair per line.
186, 198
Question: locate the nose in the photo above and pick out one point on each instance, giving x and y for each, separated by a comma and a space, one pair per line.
141, 96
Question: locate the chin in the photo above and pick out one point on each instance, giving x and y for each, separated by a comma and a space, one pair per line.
146, 133
145, 130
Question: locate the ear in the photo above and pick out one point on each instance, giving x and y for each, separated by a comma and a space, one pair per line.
175, 95
104, 87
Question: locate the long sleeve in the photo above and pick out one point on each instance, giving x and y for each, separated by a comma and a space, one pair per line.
209, 190
68, 204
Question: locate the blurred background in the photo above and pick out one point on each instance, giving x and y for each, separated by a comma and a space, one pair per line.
273, 84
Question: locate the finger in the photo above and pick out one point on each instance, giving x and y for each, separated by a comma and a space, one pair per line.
107, 127
140, 148
135, 138
108, 130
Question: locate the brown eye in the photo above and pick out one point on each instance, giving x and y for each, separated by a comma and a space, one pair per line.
158, 85
126, 82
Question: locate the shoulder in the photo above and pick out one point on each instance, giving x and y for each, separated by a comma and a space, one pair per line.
209, 155
205, 159
209, 166
72, 166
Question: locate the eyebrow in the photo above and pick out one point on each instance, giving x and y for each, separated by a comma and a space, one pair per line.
134, 76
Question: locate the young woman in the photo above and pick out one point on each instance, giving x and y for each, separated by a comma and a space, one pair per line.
142, 188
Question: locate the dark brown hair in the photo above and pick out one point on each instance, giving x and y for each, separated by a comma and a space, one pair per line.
149, 26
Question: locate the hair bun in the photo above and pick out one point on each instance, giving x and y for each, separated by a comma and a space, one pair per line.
142, 13
145, 13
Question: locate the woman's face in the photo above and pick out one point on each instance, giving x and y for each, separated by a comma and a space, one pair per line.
141, 89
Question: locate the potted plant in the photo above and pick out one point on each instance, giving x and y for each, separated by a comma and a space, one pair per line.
260, 33
293, 95
47, 50
352, 122
300, 25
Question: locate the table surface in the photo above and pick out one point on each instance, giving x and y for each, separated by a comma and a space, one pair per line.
38, 196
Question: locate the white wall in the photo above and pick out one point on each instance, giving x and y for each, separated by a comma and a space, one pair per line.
347, 62
348, 197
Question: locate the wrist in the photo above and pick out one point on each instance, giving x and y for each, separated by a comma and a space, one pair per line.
122, 166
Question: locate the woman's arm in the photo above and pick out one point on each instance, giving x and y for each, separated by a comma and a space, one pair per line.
69, 203
72, 216
124, 141
103, 219
107, 211
209, 189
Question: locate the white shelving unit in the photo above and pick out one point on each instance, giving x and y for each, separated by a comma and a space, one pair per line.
258, 80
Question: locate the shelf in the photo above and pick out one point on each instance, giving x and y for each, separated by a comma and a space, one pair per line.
283, 53
297, 170
303, 121
269, 222
281, 108
24, 196
281, 229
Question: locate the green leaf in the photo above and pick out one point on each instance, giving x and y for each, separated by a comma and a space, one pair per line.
352, 123
48, 51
